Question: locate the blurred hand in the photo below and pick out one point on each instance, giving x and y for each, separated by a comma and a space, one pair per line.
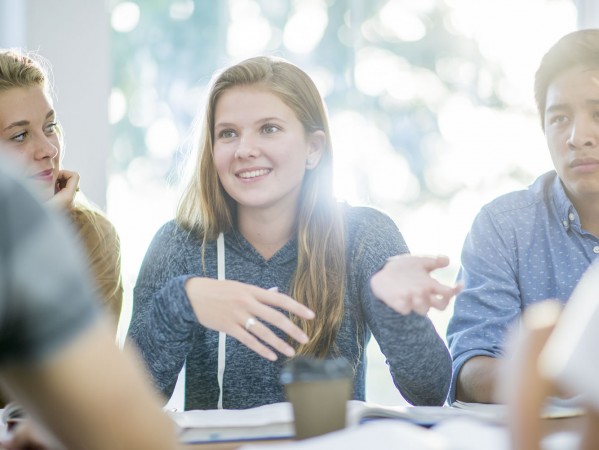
24, 434
520, 384
405, 284
67, 186
240, 309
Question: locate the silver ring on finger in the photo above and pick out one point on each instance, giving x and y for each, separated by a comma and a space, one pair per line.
250, 323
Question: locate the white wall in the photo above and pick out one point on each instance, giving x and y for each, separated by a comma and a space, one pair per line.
74, 36
588, 13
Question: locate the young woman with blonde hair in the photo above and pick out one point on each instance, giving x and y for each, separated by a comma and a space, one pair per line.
263, 262
30, 133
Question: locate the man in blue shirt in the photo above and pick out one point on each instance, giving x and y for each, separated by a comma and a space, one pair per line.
534, 244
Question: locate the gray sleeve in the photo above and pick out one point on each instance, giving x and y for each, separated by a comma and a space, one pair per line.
418, 359
46, 294
163, 321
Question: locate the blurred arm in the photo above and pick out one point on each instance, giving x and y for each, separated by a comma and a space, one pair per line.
102, 395
476, 380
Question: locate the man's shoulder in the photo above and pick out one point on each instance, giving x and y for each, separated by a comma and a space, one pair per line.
525, 201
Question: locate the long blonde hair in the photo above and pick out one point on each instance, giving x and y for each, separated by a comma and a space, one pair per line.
206, 208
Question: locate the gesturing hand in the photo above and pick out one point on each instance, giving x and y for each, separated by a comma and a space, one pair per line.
240, 309
405, 284
67, 186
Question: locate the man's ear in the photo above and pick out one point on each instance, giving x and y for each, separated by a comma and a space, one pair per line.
316, 143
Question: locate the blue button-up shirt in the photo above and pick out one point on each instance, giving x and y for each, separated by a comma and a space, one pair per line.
524, 247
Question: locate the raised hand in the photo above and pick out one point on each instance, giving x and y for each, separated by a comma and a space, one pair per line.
406, 285
67, 186
240, 310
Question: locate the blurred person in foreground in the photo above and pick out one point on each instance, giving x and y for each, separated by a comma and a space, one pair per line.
57, 351
554, 354
534, 244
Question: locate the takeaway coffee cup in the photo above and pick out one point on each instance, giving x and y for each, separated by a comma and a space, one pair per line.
319, 391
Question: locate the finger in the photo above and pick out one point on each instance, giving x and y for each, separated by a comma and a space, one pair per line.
458, 288
251, 342
443, 290
281, 321
440, 302
284, 302
433, 263
267, 336
71, 180
66, 188
420, 305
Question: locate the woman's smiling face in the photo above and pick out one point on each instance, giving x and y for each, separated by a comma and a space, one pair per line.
261, 150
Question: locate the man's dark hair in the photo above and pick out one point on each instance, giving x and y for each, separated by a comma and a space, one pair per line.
579, 48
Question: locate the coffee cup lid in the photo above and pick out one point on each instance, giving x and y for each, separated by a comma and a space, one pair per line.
312, 369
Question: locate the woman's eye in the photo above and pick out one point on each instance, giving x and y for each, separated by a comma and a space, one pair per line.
19, 137
51, 128
269, 129
226, 134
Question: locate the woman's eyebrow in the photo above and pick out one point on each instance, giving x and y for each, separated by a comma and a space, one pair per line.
22, 123
19, 123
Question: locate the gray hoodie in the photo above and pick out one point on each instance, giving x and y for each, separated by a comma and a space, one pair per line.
166, 330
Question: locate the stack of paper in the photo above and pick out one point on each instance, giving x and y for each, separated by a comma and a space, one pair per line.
264, 422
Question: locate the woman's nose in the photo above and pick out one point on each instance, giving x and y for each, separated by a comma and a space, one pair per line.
247, 148
45, 149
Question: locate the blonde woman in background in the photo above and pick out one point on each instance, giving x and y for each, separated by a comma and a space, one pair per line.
30, 133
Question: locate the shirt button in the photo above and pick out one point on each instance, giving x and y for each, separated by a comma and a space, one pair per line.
571, 216
565, 223
596, 249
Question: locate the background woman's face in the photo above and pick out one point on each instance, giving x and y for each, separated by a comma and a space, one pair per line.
28, 134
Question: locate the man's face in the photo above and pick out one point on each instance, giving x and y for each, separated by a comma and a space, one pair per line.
572, 132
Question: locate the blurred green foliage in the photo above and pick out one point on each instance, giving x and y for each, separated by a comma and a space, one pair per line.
162, 65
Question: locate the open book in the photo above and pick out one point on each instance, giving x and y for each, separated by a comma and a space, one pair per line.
427, 416
275, 421
555, 408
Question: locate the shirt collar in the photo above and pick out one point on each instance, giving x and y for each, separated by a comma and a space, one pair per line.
564, 207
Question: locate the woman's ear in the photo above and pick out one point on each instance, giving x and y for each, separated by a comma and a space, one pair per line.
316, 144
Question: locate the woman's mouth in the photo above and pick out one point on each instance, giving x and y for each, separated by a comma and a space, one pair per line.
44, 175
248, 175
